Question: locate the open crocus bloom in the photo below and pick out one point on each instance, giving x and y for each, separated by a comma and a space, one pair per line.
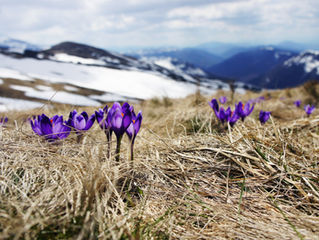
135, 125
244, 110
264, 116
51, 128
80, 122
120, 118
309, 109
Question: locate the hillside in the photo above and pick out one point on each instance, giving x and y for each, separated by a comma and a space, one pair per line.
292, 72
191, 177
197, 57
251, 64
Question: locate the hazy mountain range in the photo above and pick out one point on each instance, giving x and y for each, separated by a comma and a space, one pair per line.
80, 74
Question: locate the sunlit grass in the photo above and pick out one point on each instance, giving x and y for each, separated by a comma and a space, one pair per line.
192, 177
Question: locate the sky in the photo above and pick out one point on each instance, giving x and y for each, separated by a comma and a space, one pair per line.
116, 24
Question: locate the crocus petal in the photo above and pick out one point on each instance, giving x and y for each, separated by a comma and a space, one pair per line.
85, 115
64, 131
117, 120
127, 119
36, 128
99, 116
138, 122
90, 122
45, 125
130, 131
79, 122
125, 106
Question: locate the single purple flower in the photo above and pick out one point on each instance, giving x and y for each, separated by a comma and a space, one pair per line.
120, 120
297, 103
264, 116
80, 121
223, 99
134, 128
309, 109
51, 128
3, 121
119, 117
244, 110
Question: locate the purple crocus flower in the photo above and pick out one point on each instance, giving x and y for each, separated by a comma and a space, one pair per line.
135, 125
223, 99
103, 117
225, 115
51, 128
297, 103
119, 119
309, 109
264, 116
244, 110
3, 121
80, 121
134, 128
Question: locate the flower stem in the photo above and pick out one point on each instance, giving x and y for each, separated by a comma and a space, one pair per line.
132, 151
109, 142
118, 148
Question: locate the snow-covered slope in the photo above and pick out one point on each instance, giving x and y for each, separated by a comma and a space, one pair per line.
16, 46
87, 75
308, 59
294, 71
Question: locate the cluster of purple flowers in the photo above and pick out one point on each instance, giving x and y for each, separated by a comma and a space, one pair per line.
308, 109
241, 111
118, 119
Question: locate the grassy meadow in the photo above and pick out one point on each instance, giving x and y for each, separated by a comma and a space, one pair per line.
192, 178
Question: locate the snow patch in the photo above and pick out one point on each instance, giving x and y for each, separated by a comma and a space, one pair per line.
56, 96
307, 59
9, 104
107, 97
6, 72
130, 83
1, 81
63, 57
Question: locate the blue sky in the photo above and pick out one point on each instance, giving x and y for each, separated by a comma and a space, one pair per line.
156, 23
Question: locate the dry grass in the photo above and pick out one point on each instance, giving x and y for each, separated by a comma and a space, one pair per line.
191, 179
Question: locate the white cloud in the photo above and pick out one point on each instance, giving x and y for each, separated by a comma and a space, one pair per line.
108, 23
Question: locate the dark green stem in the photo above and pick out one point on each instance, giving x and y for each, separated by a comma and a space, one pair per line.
118, 148
132, 151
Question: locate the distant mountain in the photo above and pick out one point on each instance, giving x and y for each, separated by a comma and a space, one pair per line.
224, 50
17, 46
251, 64
196, 57
297, 47
292, 72
79, 74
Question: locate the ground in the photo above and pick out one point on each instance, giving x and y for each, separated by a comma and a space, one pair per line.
191, 178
